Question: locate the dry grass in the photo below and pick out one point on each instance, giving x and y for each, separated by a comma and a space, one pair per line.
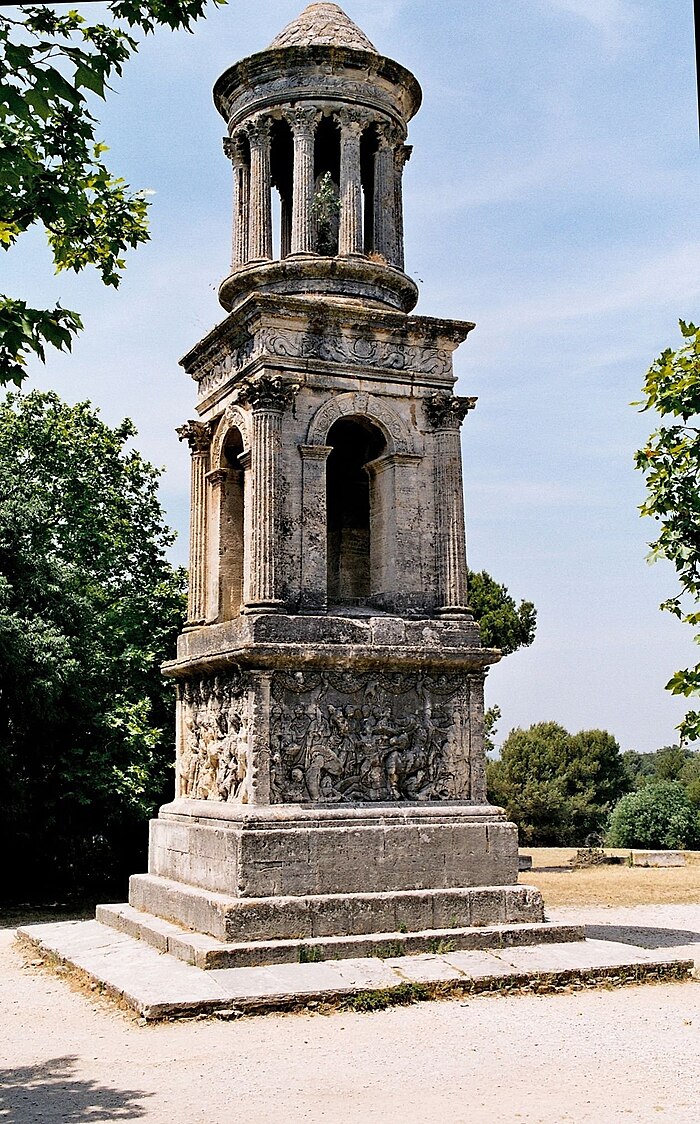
610, 885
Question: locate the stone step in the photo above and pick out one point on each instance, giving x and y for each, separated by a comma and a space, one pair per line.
208, 953
161, 987
328, 915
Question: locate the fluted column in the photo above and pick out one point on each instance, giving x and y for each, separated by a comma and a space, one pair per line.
350, 237
401, 157
385, 194
234, 148
445, 414
304, 125
268, 396
198, 436
260, 210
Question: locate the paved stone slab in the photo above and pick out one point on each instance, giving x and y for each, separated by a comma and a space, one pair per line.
159, 985
658, 858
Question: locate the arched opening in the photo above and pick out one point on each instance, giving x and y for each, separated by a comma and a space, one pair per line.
231, 535
281, 175
368, 150
350, 518
326, 203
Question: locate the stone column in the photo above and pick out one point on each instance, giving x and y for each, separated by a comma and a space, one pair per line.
401, 157
385, 194
268, 396
314, 532
198, 436
350, 238
304, 125
446, 413
235, 149
260, 211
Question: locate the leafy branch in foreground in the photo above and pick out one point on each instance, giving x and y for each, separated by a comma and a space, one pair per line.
670, 461
52, 170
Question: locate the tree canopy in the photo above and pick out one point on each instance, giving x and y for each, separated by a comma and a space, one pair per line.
89, 608
52, 170
670, 461
503, 623
557, 787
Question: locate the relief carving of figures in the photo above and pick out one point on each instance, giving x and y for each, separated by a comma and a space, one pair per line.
338, 738
213, 757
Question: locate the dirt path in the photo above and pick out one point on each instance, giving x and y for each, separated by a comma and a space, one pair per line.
621, 1055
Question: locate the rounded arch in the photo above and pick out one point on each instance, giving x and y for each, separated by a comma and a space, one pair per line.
397, 433
234, 418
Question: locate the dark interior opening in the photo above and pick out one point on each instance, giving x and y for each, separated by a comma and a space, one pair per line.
355, 442
368, 149
326, 205
231, 542
281, 174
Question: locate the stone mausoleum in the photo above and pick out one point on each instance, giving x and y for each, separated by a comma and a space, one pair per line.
330, 795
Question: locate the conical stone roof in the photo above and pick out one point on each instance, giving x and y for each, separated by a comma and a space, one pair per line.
323, 25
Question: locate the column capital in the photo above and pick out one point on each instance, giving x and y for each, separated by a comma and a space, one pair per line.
258, 130
217, 477
352, 122
233, 148
447, 411
388, 134
318, 453
267, 392
402, 155
303, 118
197, 434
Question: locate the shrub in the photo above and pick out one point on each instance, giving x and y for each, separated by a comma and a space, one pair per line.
659, 815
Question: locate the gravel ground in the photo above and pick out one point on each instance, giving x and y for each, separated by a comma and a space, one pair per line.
622, 1055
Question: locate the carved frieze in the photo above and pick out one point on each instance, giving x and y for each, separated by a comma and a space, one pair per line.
213, 755
285, 343
345, 737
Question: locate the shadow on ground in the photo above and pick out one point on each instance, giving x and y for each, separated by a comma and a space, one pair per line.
49, 1091
643, 936
13, 916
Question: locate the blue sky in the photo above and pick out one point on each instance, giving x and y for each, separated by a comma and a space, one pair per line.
552, 197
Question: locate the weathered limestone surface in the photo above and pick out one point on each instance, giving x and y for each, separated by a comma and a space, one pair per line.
330, 771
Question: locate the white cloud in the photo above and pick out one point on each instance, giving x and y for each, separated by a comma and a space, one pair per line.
668, 279
613, 19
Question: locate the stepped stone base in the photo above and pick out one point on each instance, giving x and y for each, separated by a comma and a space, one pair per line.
209, 953
247, 851
238, 886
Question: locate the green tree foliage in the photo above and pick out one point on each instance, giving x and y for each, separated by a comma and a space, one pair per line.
670, 461
89, 608
658, 815
52, 172
557, 787
670, 763
503, 623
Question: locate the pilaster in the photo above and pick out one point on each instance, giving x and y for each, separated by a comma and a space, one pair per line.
445, 414
198, 436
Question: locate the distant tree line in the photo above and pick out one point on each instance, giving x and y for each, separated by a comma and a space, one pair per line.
565, 789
